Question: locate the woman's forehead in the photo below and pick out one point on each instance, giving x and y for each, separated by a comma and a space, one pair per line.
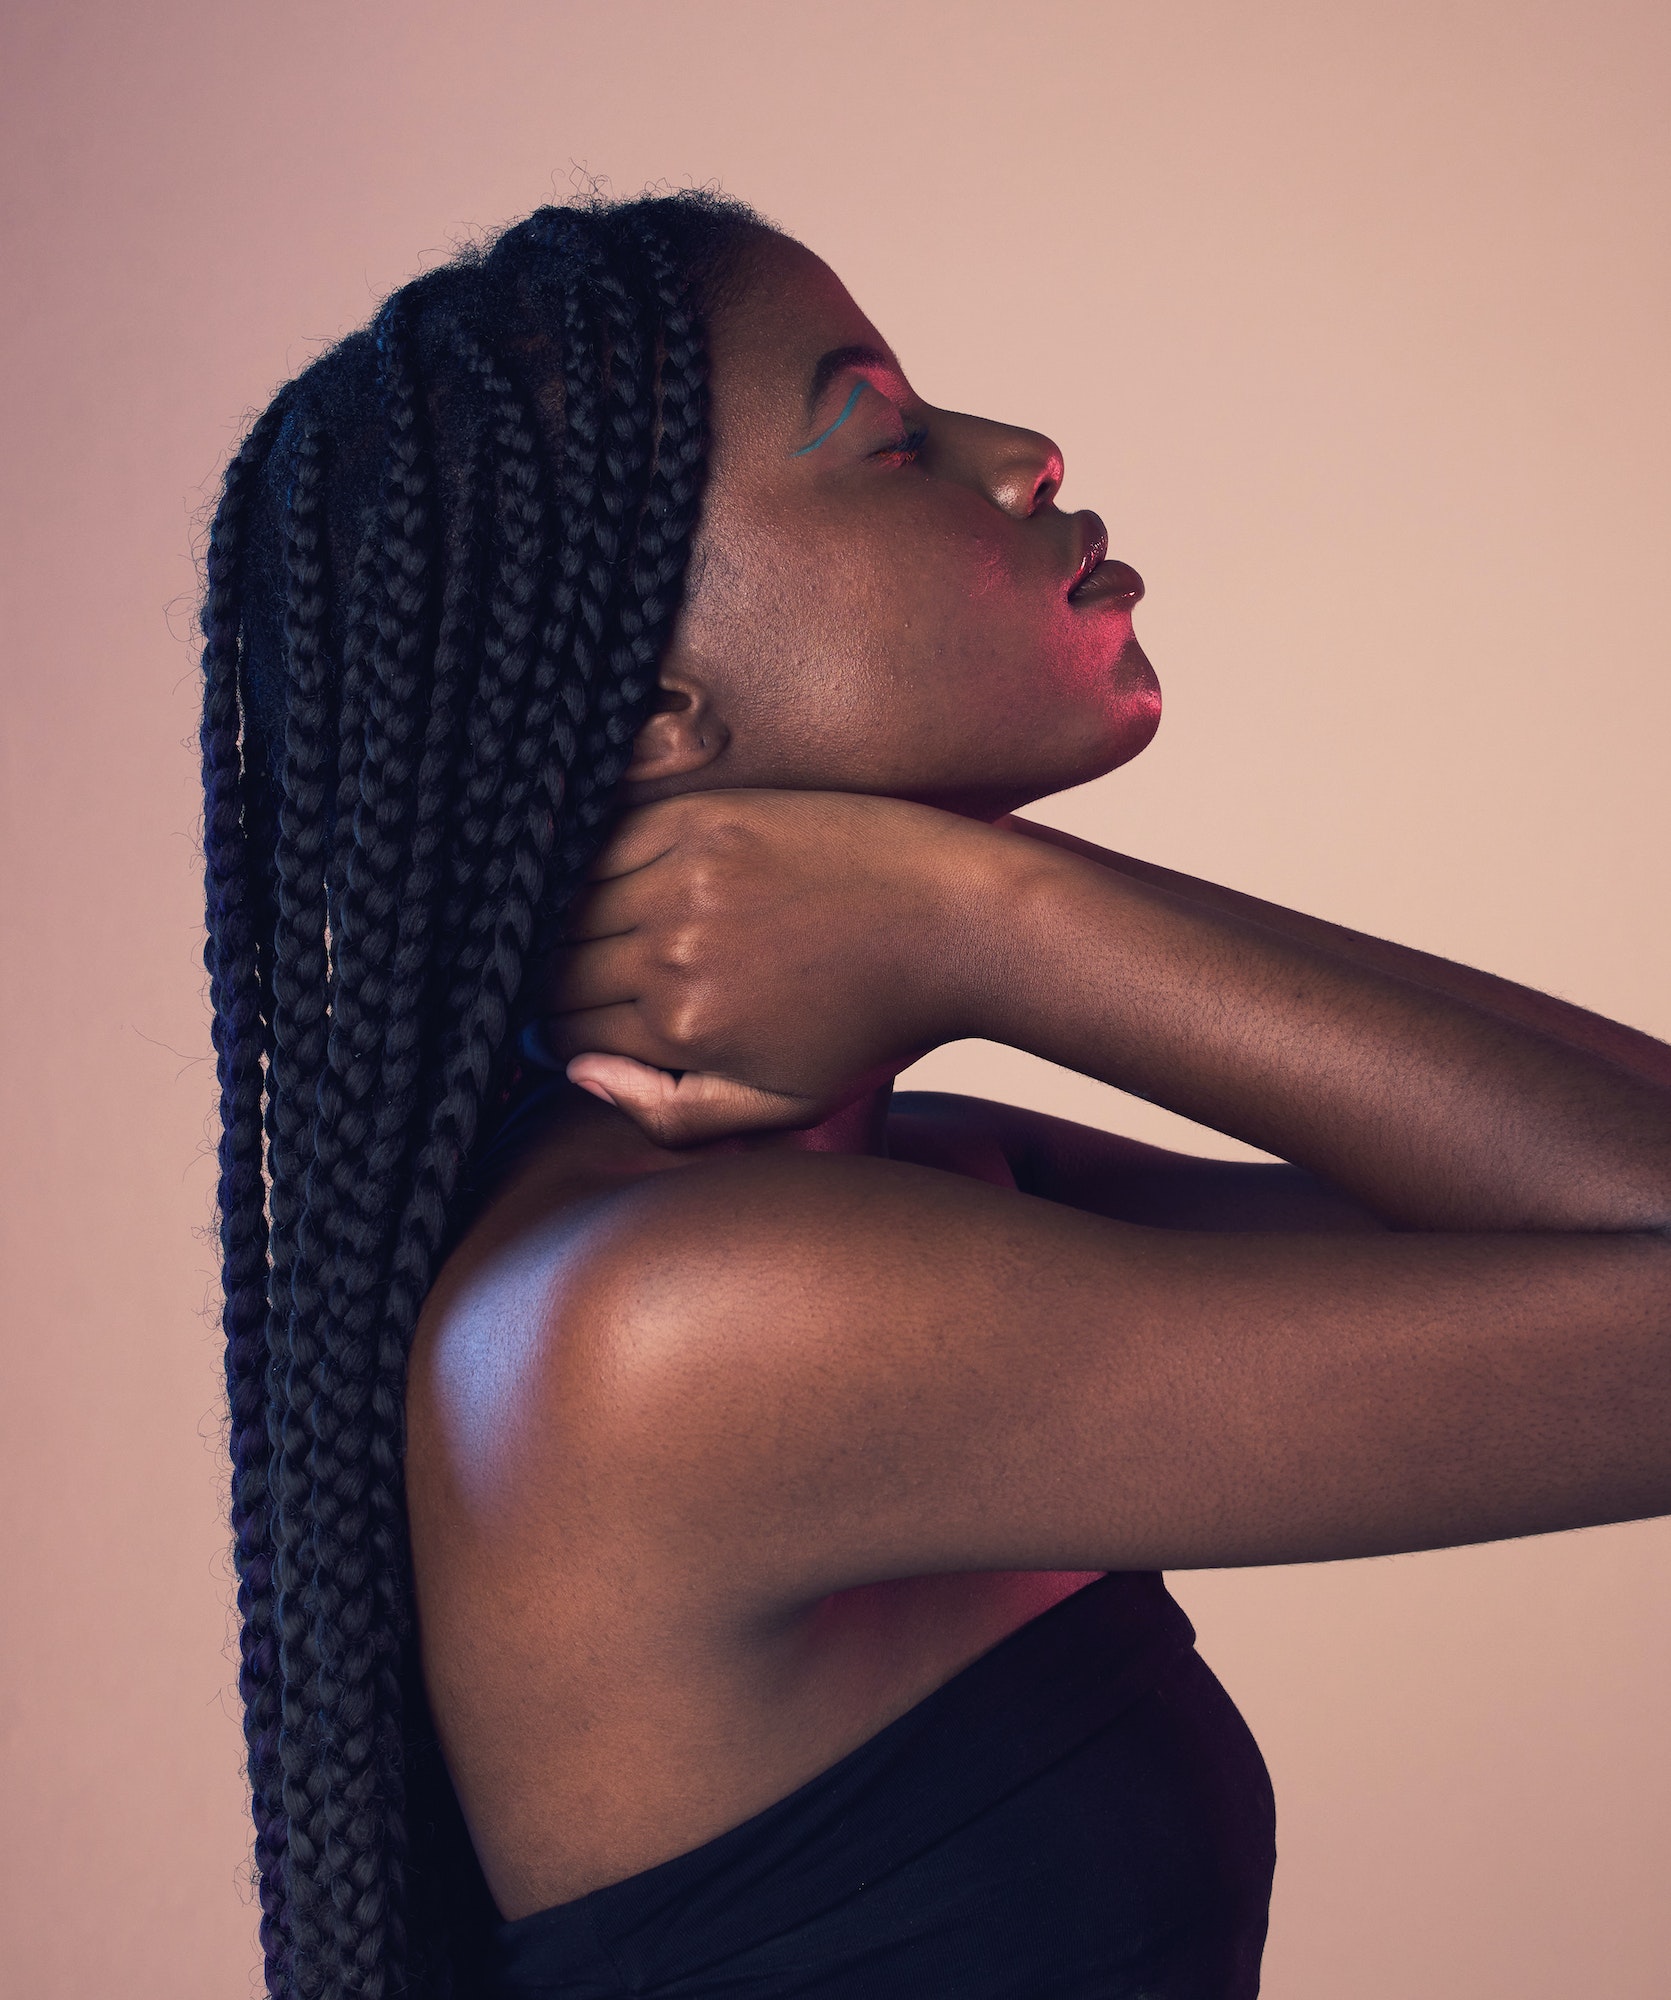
788, 311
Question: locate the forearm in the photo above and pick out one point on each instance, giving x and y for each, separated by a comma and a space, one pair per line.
1437, 1111
1628, 1048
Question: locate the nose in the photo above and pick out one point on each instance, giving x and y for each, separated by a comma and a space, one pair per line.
1024, 471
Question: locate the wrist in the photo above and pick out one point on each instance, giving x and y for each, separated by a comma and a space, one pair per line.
997, 933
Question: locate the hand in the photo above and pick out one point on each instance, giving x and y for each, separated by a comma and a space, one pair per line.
779, 953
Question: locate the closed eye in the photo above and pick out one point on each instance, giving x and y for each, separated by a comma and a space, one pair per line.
907, 449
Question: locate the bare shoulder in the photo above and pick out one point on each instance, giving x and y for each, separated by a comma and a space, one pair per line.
794, 1374
550, 1317
563, 1569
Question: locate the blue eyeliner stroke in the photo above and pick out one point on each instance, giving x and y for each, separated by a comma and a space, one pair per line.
846, 412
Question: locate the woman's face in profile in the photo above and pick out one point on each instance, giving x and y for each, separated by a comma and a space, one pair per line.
884, 596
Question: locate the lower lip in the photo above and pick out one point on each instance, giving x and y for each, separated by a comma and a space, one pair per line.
1111, 582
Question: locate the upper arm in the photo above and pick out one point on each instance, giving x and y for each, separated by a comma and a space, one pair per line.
1124, 1179
838, 1371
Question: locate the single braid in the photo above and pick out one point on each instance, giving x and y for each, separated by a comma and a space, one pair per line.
576, 629
231, 957
405, 780
300, 977
364, 1103
517, 675
627, 445
581, 622
661, 549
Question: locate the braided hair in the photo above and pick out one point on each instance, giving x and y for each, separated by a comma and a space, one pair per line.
445, 565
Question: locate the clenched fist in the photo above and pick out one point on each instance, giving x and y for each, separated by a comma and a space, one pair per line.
754, 960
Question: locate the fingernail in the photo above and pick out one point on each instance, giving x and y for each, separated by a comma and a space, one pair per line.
596, 1089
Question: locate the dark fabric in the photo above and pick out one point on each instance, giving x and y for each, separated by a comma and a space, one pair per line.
1080, 1812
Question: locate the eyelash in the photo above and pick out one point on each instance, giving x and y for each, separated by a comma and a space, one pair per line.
906, 450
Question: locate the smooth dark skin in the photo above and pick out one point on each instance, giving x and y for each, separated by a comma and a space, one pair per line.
755, 1406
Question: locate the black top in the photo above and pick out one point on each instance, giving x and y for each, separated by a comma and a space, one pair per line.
1079, 1814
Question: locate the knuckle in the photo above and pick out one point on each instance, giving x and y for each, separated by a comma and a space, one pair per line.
719, 877
681, 948
686, 1023
730, 838
721, 835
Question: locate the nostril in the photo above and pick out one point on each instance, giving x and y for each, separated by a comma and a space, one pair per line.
1050, 479
1027, 476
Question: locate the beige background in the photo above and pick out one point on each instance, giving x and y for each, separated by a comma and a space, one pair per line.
1351, 319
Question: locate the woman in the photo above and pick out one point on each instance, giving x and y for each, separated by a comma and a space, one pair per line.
699, 1520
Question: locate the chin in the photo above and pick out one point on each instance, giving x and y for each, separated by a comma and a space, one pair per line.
1122, 735
1137, 704
1137, 732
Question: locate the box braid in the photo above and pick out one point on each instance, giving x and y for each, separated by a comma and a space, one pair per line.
445, 565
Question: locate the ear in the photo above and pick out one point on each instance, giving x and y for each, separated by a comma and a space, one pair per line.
683, 732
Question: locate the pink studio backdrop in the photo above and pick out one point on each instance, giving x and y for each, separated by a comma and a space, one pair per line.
1352, 321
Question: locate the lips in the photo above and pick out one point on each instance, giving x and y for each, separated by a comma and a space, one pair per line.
1097, 576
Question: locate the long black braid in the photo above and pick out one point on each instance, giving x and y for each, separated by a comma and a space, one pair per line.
443, 572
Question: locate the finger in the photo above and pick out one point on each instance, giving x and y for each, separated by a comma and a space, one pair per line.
620, 860
609, 909
637, 840
690, 1109
610, 1031
607, 973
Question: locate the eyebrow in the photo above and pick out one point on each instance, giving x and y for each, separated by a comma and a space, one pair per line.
831, 365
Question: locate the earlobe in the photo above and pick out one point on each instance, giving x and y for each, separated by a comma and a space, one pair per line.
683, 733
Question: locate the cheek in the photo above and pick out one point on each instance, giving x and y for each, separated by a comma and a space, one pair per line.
879, 650
819, 662
988, 649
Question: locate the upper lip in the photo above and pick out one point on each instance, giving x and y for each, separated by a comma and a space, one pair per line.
1093, 546
1119, 581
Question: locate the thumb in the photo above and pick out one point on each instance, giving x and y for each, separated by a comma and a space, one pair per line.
690, 1108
